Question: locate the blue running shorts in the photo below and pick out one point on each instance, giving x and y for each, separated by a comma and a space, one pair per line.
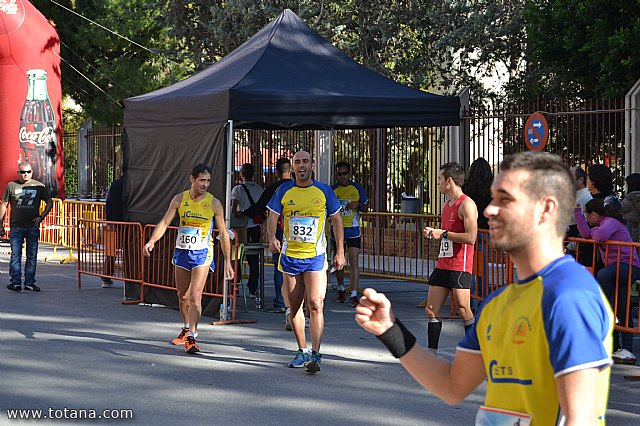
189, 259
293, 266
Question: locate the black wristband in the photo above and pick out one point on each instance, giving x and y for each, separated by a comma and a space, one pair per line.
398, 339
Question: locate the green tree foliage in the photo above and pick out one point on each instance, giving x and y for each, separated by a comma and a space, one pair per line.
583, 48
380, 34
431, 45
506, 50
93, 56
478, 44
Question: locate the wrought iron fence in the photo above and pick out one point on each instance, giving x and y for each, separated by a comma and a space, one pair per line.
582, 132
389, 162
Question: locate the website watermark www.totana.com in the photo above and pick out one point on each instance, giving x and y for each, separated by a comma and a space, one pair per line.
68, 414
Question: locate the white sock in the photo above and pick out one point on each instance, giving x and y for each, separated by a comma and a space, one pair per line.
354, 293
186, 325
341, 287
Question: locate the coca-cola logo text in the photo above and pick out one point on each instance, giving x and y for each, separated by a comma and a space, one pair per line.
12, 15
9, 7
42, 137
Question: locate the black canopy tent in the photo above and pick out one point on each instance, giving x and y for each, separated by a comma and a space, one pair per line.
284, 77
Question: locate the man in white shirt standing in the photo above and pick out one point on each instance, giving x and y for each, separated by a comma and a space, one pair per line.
244, 196
585, 254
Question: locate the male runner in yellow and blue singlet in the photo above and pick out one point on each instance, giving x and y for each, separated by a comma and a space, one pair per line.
193, 257
354, 201
544, 342
304, 205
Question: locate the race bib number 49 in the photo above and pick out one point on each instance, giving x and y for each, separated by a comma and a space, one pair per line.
303, 229
446, 248
190, 239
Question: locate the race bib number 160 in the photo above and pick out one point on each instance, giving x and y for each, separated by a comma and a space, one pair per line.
190, 239
303, 229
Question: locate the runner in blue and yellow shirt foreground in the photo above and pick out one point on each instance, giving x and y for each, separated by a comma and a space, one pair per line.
544, 343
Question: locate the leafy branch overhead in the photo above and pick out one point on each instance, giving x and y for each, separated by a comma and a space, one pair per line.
507, 50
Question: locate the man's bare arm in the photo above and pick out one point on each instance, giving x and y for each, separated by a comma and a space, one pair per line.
164, 223
577, 392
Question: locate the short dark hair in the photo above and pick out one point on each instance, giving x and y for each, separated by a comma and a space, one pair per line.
454, 171
601, 177
343, 164
247, 170
580, 174
549, 176
633, 182
200, 168
283, 165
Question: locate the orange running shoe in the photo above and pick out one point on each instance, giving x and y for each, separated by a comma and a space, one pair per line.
190, 345
182, 337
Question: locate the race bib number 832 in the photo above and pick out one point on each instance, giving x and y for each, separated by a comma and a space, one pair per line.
303, 229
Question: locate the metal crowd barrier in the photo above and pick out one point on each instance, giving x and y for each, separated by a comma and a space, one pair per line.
392, 246
624, 284
115, 250
59, 227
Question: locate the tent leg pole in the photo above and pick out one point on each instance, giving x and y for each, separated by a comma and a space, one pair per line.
225, 289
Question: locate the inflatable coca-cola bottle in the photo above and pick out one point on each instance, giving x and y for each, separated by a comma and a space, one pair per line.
38, 130
28, 41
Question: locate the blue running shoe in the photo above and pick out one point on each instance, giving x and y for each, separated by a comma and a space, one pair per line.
313, 366
300, 360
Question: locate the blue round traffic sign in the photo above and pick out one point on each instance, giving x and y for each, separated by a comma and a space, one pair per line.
536, 132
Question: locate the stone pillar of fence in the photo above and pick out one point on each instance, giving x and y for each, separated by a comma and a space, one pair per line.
632, 130
459, 137
83, 158
323, 156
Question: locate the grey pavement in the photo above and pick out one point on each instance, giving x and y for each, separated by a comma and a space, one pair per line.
83, 349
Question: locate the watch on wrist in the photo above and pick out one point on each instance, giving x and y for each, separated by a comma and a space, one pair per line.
445, 235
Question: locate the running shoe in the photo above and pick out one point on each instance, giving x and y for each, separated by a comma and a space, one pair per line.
14, 287
300, 359
190, 345
313, 366
342, 296
107, 283
623, 356
31, 287
287, 320
353, 300
182, 337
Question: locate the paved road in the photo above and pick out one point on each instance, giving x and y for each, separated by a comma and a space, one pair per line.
82, 349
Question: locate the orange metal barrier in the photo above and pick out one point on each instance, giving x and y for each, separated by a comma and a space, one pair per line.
158, 270
73, 212
623, 286
392, 245
109, 250
115, 250
492, 268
